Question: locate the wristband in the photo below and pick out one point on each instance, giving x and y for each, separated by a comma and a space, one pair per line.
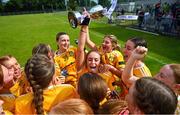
85, 21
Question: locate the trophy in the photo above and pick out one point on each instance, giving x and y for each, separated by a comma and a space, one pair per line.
75, 18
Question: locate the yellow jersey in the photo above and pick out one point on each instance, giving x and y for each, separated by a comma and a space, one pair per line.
7, 112
16, 90
107, 76
142, 71
67, 65
9, 102
177, 112
20, 86
52, 96
114, 58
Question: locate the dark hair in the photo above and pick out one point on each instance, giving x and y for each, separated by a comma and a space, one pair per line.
39, 71
72, 106
92, 88
43, 49
154, 97
58, 36
139, 42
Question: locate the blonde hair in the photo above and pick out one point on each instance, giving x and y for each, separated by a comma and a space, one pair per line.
114, 42
72, 106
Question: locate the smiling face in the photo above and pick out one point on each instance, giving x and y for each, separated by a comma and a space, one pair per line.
107, 45
8, 75
63, 43
129, 47
93, 61
16, 66
166, 75
12, 63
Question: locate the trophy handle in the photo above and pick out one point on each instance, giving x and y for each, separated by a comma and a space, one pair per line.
73, 18
96, 12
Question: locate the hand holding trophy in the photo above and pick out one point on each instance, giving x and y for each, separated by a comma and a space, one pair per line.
75, 18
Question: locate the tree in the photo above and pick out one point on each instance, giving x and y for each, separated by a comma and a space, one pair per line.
72, 4
36, 5
93, 3
82, 3
120, 1
13, 6
104, 3
1, 6
61, 4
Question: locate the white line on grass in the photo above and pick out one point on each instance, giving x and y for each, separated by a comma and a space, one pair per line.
155, 59
97, 34
143, 31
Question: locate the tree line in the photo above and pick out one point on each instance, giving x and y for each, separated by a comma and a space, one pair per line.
47, 5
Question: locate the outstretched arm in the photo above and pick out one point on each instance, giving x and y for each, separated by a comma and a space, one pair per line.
81, 44
127, 75
82, 40
90, 43
117, 72
108, 67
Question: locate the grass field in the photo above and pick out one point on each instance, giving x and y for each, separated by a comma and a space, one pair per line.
20, 33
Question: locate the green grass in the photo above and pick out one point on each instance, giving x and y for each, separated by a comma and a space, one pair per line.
20, 33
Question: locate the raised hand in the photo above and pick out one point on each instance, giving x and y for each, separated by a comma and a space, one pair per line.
85, 13
85, 17
139, 53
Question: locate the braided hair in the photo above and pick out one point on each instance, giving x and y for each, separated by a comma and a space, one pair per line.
39, 71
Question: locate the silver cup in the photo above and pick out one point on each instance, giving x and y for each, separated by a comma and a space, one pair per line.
75, 18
